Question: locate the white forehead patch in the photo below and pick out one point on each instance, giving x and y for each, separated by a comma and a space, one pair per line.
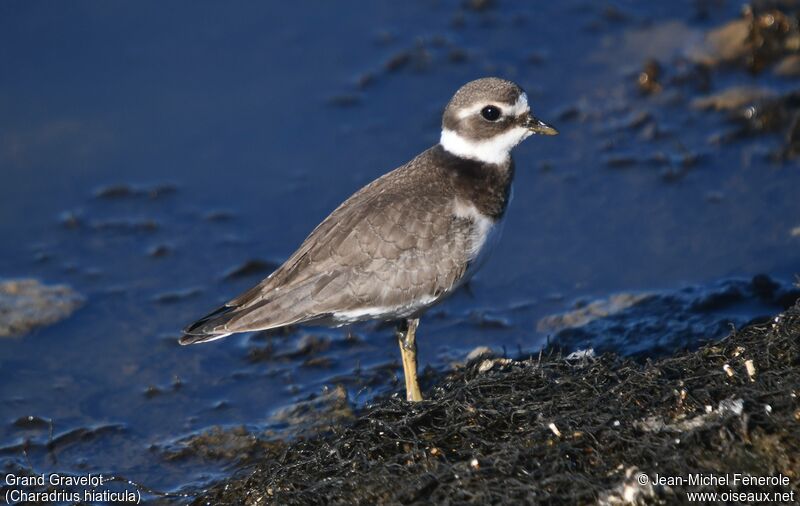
520, 106
515, 109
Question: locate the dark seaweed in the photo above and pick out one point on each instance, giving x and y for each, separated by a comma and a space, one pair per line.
548, 429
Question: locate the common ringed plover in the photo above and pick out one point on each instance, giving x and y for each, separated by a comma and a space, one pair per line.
405, 241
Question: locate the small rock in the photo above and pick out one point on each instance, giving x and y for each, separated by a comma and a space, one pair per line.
598, 309
114, 191
26, 304
486, 365
125, 225
319, 362
648, 80
732, 98
159, 251
31, 422
118, 191
725, 44
398, 61
479, 351
176, 296
789, 66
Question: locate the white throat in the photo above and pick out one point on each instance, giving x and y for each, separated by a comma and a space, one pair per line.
496, 150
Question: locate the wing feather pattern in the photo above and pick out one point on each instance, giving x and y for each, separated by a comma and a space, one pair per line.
393, 244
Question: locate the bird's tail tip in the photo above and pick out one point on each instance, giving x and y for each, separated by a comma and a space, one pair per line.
208, 328
187, 339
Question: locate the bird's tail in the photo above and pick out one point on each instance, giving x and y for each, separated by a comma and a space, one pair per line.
208, 328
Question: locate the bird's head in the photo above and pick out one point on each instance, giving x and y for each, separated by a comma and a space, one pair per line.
486, 118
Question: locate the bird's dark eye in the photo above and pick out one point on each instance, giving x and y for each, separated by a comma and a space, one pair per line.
491, 113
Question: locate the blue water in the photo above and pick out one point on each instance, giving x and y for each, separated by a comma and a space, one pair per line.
270, 114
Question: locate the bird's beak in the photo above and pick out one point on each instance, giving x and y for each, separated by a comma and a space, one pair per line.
538, 126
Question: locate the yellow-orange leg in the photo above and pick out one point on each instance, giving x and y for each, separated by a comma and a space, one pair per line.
408, 350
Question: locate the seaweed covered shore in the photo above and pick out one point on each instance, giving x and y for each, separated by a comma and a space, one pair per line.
579, 429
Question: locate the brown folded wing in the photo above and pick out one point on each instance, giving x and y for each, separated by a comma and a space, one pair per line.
394, 244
